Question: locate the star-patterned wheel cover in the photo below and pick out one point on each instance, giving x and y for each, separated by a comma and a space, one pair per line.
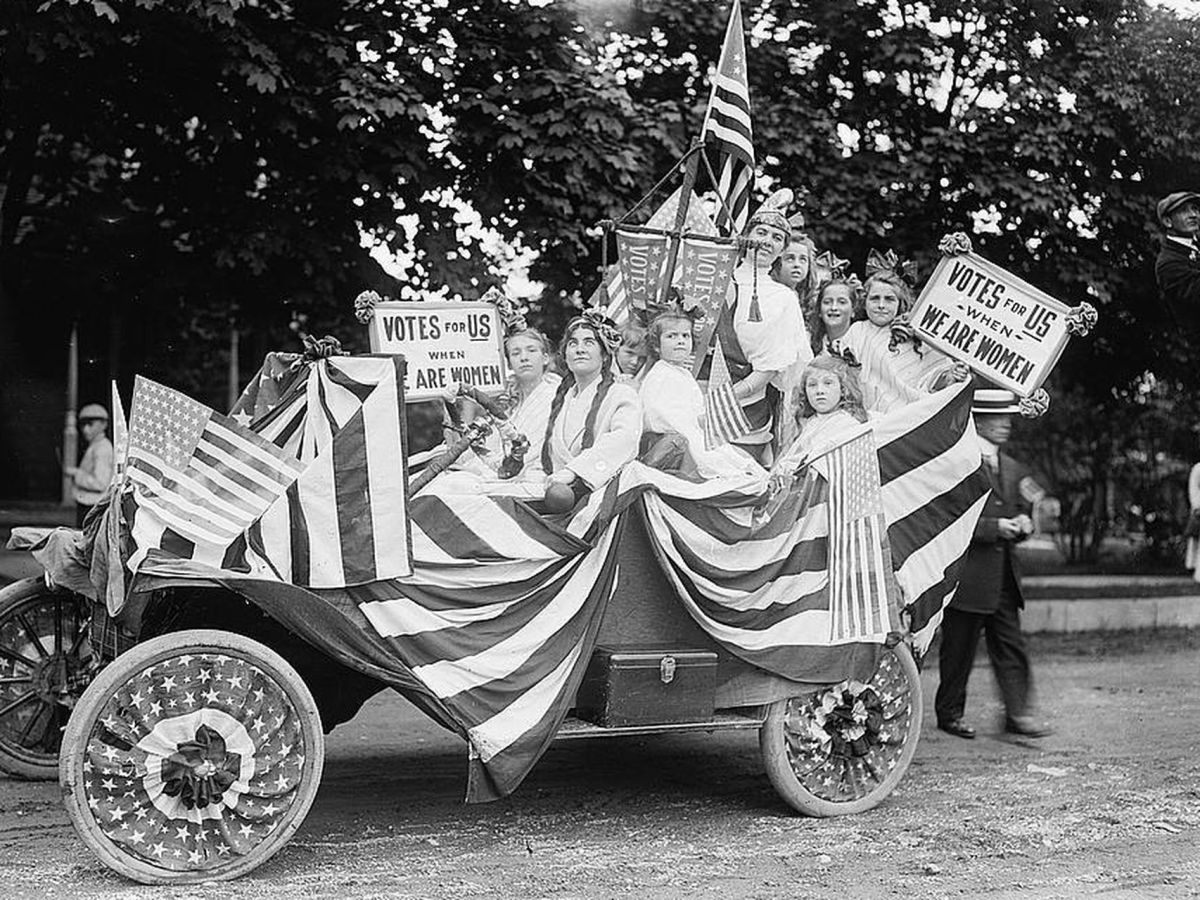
837, 778
219, 713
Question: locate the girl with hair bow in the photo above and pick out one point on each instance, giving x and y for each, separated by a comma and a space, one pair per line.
595, 422
896, 368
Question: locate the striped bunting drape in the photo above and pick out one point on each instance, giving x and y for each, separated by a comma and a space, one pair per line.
499, 617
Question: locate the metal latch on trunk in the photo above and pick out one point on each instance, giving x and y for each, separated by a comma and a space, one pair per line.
666, 669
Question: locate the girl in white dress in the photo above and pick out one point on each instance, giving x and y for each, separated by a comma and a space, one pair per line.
838, 303
529, 391
831, 409
595, 422
673, 403
896, 368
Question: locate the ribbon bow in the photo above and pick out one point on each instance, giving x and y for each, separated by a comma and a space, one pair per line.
846, 355
1081, 319
1036, 404
364, 306
511, 317
889, 262
606, 329
316, 349
955, 244
830, 267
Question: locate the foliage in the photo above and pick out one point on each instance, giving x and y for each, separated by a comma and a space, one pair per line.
169, 167
1120, 467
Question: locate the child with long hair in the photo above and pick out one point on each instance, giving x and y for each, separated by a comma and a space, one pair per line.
595, 422
673, 405
838, 303
830, 407
896, 368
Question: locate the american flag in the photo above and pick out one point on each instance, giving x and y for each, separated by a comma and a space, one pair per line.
727, 133
187, 710
199, 479
724, 419
861, 585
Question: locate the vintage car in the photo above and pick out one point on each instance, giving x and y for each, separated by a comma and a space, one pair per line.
195, 695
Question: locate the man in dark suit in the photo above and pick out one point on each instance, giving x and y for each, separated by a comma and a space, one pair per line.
989, 594
1177, 269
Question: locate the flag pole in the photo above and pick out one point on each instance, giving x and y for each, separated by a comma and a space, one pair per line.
685, 197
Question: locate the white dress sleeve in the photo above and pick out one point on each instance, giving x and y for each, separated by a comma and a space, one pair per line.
618, 434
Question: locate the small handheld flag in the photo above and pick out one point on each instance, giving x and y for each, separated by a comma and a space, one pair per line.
724, 419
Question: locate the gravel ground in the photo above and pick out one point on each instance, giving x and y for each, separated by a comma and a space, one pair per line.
1109, 807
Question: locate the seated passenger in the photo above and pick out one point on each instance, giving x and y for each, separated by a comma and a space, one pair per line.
896, 367
838, 303
631, 354
529, 393
830, 409
673, 405
595, 422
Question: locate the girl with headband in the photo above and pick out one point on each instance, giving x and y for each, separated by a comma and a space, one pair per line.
595, 422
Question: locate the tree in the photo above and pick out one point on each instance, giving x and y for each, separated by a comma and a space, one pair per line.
170, 168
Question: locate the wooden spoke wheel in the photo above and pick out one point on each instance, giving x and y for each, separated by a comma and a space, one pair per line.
842, 750
45, 663
192, 757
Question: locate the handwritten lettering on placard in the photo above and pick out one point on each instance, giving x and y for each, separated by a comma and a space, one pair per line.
1002, 327
443, 343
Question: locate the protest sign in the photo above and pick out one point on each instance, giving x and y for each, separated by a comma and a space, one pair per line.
1002, 327
443, 343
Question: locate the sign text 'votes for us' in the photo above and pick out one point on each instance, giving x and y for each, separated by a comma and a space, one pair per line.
443, 344
1002, 327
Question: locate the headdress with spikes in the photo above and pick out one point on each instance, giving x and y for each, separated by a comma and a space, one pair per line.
774, 214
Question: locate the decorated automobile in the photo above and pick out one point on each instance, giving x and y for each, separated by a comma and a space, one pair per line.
273, 587
582, 558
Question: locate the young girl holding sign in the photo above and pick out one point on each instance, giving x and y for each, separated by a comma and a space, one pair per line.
530, 392
896, 369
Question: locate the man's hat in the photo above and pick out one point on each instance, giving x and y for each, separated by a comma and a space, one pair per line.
1172, 202
93, 411
994, 401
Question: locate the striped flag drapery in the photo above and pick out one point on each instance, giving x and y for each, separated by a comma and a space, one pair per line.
334, 516
727, 132
933, 486
198, 478
498, 619
345, 519
725, 421
763, 589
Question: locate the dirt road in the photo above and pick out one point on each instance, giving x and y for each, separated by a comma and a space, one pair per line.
1108, 807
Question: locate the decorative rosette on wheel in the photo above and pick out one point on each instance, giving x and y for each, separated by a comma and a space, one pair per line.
843, 741
194, 760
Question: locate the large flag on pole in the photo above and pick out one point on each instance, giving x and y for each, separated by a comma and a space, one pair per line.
727, 135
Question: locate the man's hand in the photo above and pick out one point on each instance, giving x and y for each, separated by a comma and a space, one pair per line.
562, 476
1011, 529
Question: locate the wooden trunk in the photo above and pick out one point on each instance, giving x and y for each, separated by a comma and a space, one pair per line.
636, 685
